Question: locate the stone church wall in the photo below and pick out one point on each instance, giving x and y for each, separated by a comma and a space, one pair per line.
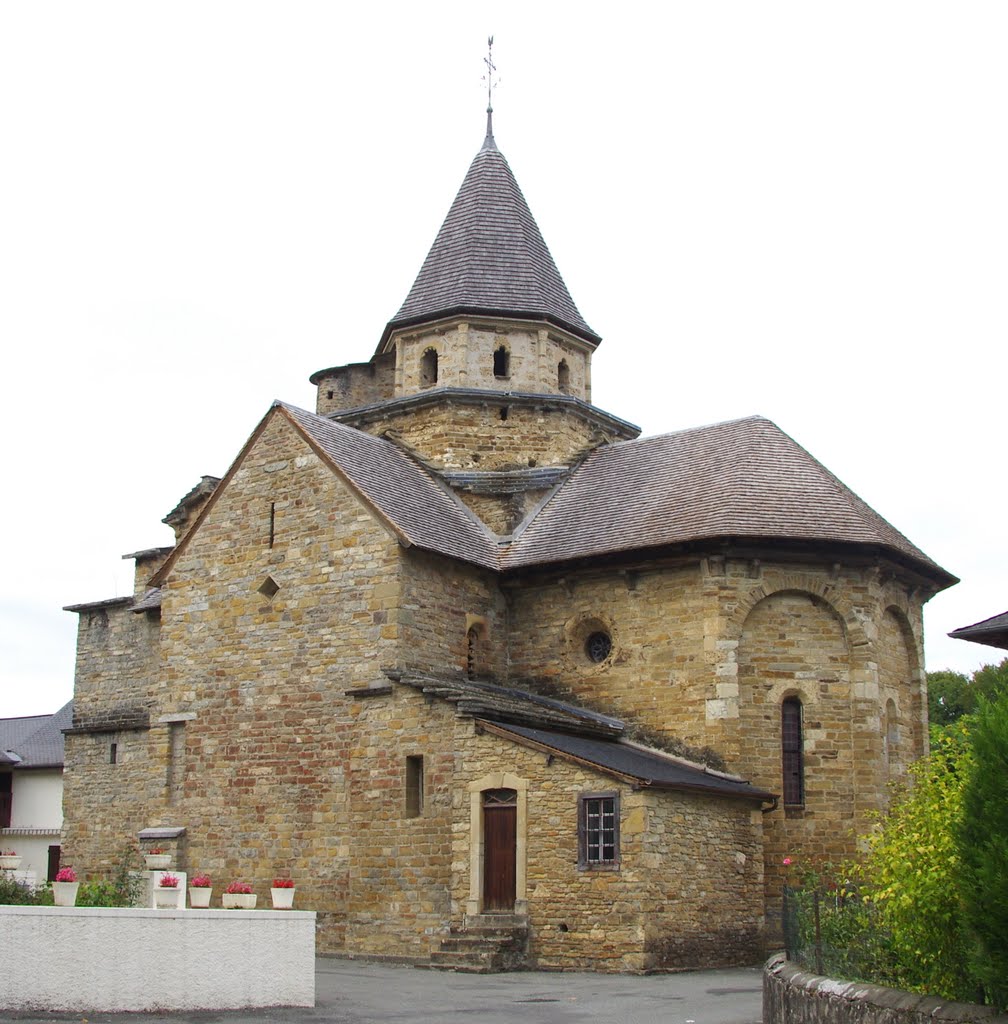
110, 759
465, 359
706, 652
496, 434
438, 610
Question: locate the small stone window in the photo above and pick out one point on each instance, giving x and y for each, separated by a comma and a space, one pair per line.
113, 754
269, 588
429, 368
414, 786
563, 376
598, 831
472, 651
502, 363
792, 760
598, 646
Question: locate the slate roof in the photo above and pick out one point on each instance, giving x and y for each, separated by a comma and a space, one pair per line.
419, 507
35, 741
574, 732
490, 258
640, 765
992, 631
501, 703
741, 479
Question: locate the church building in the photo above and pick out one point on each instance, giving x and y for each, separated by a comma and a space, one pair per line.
495, 680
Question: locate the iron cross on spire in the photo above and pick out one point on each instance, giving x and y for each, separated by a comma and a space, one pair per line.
490, 69
491, 84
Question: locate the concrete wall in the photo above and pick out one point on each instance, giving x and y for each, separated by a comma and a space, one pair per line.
80, 959
796, 997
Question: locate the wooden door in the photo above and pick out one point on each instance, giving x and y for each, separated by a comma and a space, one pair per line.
500, 830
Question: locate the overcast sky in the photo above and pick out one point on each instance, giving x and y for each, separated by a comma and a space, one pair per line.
792, 209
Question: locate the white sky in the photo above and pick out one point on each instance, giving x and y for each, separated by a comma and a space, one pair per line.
793, 209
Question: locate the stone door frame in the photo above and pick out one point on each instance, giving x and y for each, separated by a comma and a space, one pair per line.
496, 780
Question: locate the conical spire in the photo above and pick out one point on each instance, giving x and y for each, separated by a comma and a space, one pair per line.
489, 257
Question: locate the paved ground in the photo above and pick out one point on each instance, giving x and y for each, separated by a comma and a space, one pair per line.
353, 992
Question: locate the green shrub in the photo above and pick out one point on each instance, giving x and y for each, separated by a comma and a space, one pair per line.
17, 893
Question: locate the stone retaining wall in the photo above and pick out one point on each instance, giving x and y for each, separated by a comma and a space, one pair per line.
793, 996
100, 959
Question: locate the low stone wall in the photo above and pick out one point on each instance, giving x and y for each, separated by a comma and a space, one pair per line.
101, 959
793, 996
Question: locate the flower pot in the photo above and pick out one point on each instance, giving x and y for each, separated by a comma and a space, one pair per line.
157, 861
283, 899
199, 895
10, 863
238, 901
65, 893
166, 897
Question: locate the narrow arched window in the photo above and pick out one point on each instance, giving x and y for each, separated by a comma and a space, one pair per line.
502, 362
563, 375
428, 368
472, 651
791, 753
891, 736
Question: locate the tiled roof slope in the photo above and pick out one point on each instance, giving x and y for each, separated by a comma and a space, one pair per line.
507, 704
490, 258
640, 764
742, 479
421, 509
992, 631
37, 741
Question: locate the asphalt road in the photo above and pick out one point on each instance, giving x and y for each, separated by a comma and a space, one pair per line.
355, 992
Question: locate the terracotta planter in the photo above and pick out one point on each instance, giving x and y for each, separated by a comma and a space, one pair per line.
166, 897
65, 893
157, 861
10, 863
199, 895
238, 901
283, 899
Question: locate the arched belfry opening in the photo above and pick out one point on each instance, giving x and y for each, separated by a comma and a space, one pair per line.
429, 368
501, 362
563, 375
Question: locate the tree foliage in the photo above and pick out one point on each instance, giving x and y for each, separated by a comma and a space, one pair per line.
954, 694
912, 875
982, 839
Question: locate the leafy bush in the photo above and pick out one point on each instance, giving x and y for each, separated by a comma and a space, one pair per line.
98, 894
17, 893
912, 874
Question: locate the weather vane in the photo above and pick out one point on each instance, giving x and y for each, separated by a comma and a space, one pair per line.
489, 76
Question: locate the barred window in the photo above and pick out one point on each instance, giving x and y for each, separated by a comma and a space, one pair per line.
598, 830
791, 753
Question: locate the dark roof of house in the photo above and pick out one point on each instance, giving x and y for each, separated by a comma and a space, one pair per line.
489, 258
35, 741
741, 479
992, 631
640, 765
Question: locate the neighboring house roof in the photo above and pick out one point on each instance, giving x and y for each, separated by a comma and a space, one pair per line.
744, 479
992, 631
35, 741
489, 258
